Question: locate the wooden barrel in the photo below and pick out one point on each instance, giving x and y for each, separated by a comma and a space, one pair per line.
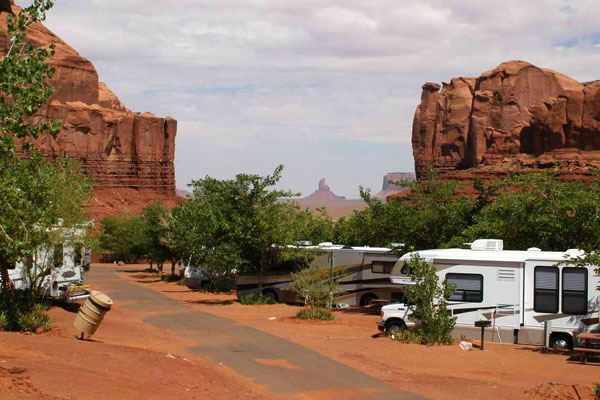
92, 312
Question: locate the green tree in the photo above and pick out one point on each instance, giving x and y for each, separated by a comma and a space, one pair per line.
35, 196
159, 248
427, 217
237, 224
125, 236
540, 210
429, 300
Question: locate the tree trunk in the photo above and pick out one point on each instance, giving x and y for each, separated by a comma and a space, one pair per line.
7, 285
260, 277
159, 265
173, 267
150, 265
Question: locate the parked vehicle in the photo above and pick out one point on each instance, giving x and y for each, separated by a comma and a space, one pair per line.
56, 271
194, 277
363, 275
528, 296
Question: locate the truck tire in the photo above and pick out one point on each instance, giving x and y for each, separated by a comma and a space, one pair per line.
393, 326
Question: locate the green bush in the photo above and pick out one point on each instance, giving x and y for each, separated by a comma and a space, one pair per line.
34, 319
23, 312
3, 321
171, 278
408, 336
430, 302
255, 299
596, 389
315, 313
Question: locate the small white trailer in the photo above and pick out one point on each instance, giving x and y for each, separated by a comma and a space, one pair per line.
530, 297
57, 270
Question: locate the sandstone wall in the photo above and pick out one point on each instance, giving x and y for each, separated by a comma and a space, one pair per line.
514, 117
117, 147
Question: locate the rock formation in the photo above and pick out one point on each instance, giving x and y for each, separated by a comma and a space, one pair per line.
390, 188
516, 117
322, 195
119, 149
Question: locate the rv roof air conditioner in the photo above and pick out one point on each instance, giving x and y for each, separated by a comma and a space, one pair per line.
534, 249
573, 253
487, 245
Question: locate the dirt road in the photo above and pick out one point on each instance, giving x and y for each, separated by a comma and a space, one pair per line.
283, 367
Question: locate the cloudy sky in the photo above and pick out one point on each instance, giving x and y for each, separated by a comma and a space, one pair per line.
327, 88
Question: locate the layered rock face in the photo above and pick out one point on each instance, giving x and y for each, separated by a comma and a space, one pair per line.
117, 148
514, 117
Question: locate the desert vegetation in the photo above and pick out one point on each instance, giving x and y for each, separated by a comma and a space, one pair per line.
36, 196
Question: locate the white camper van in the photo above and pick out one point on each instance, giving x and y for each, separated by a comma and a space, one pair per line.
58, 270
528, 296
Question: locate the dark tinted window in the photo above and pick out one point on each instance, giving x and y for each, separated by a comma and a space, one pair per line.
382, 267
469, 287
574, 291
545, 298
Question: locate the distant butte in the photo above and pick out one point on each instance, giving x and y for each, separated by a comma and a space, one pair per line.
323, 195
514, 118
390, 185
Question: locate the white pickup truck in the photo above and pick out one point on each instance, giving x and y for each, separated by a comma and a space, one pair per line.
396, 317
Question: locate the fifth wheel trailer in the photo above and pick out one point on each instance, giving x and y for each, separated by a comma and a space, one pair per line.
528, 296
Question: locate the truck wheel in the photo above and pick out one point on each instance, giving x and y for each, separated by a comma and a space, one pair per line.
270, 294
395, 326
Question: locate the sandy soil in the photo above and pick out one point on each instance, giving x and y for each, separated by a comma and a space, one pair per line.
502, 371
145, 363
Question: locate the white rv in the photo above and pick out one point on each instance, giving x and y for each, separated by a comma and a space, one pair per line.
363, 272
528, 296
57, 270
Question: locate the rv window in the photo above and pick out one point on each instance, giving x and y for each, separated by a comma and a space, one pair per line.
469, 287
382, 267
574, 291
545, 298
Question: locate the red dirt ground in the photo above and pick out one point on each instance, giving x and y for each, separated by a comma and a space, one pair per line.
502, 371
127, 359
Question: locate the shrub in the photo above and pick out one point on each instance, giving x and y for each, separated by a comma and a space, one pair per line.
315, 313
255, 299
429, 298
23, 312
316, 286
408, 336
170, 278
34, 319
3, 321
596, 389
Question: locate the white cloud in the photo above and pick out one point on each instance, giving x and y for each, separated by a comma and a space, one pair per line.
255, 74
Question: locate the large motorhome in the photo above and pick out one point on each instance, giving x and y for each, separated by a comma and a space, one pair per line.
529, 297
364, 275
58, 270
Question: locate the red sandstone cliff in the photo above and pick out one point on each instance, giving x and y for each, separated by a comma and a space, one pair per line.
516, 117
129, 155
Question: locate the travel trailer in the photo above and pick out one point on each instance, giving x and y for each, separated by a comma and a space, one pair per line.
364, 275
56, 270
529, 297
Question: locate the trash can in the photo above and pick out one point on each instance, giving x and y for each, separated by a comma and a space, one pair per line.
92, 312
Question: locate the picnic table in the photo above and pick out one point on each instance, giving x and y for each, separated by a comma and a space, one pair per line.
377, 304
589, 337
